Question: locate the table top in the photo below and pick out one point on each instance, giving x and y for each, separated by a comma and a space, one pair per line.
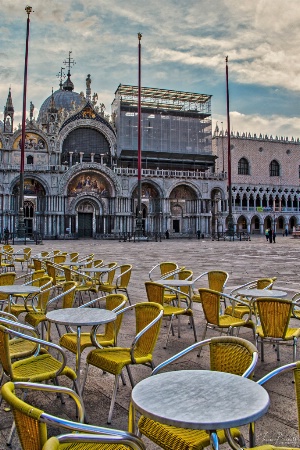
255, 293
19, 289
81, 316
175, 282
96, 269
200, 399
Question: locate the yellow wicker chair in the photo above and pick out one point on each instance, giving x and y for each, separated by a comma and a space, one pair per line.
114, 359
44, 283
169, 296
156, 293
7, 261
242, 310
37, 313
113, 302
38, 367
166, 267
120, 283
6, 278
216, 279
19, 348
273, 316
295, 368
55, 272
73, 256
24, 257
107, 278
32, 422
84, 283
211, 304
227, 354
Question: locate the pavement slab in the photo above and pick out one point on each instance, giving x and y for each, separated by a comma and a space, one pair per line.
244, 261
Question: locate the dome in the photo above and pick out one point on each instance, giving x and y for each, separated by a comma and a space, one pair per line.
62, 99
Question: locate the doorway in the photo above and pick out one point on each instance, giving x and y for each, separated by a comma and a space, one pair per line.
176, 227
85, 225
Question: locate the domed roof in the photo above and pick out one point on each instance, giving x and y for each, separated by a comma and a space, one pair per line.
62, 99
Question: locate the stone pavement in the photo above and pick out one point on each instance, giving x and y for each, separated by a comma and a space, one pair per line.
244, 261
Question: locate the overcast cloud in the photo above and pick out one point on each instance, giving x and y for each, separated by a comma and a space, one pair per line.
184, 46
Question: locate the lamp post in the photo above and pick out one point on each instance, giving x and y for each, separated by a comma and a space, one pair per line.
21, 224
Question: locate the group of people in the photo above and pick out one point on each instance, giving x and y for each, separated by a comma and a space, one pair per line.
270, 235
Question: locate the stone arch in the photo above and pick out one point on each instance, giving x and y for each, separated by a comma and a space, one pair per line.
88, 123
110, 177
241, 223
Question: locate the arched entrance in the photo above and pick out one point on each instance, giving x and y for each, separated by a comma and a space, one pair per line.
86, 216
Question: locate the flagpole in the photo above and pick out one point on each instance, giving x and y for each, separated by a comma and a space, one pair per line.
21, 224
139, 223
230, 217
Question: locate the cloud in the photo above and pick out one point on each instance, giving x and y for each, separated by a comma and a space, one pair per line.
184, 46
265, 125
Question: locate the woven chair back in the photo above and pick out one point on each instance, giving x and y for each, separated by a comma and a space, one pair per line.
5, 358
274, 315
211, 305
112, 329
38, 274
217, 280
68, 299
73, 256
37, 264
155, 292
111, 273
7, 278
166, 267
125, 277
145, 313
263, 283
231, 354
59, 259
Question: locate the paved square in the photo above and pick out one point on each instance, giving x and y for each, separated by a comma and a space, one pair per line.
244, 261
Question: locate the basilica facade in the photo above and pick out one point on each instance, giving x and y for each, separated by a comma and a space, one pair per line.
80, 176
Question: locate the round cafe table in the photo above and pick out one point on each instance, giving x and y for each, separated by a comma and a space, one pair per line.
255, 293
200, 399
13, 289
80, 317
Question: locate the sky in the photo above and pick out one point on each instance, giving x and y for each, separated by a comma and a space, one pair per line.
184, 45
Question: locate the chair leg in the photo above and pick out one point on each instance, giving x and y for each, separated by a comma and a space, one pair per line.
113, 398
11, 434
294, 349
262, 350
194, 328
169, 329
130, 376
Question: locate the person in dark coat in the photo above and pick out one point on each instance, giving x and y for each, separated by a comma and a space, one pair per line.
270, 235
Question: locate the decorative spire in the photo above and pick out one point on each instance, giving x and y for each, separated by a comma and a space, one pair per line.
88, 87
69, 62
52, 107
61, 75
9, 114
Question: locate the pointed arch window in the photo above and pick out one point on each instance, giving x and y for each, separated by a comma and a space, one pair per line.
274, 169
243, 167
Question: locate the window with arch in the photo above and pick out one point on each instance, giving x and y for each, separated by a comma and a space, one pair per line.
274, 169
243, 167
29, 159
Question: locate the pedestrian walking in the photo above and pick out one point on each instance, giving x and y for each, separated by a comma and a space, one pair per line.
167, 234
267, 234
270, 235
274, 236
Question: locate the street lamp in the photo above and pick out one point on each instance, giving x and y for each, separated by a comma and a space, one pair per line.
21, 223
